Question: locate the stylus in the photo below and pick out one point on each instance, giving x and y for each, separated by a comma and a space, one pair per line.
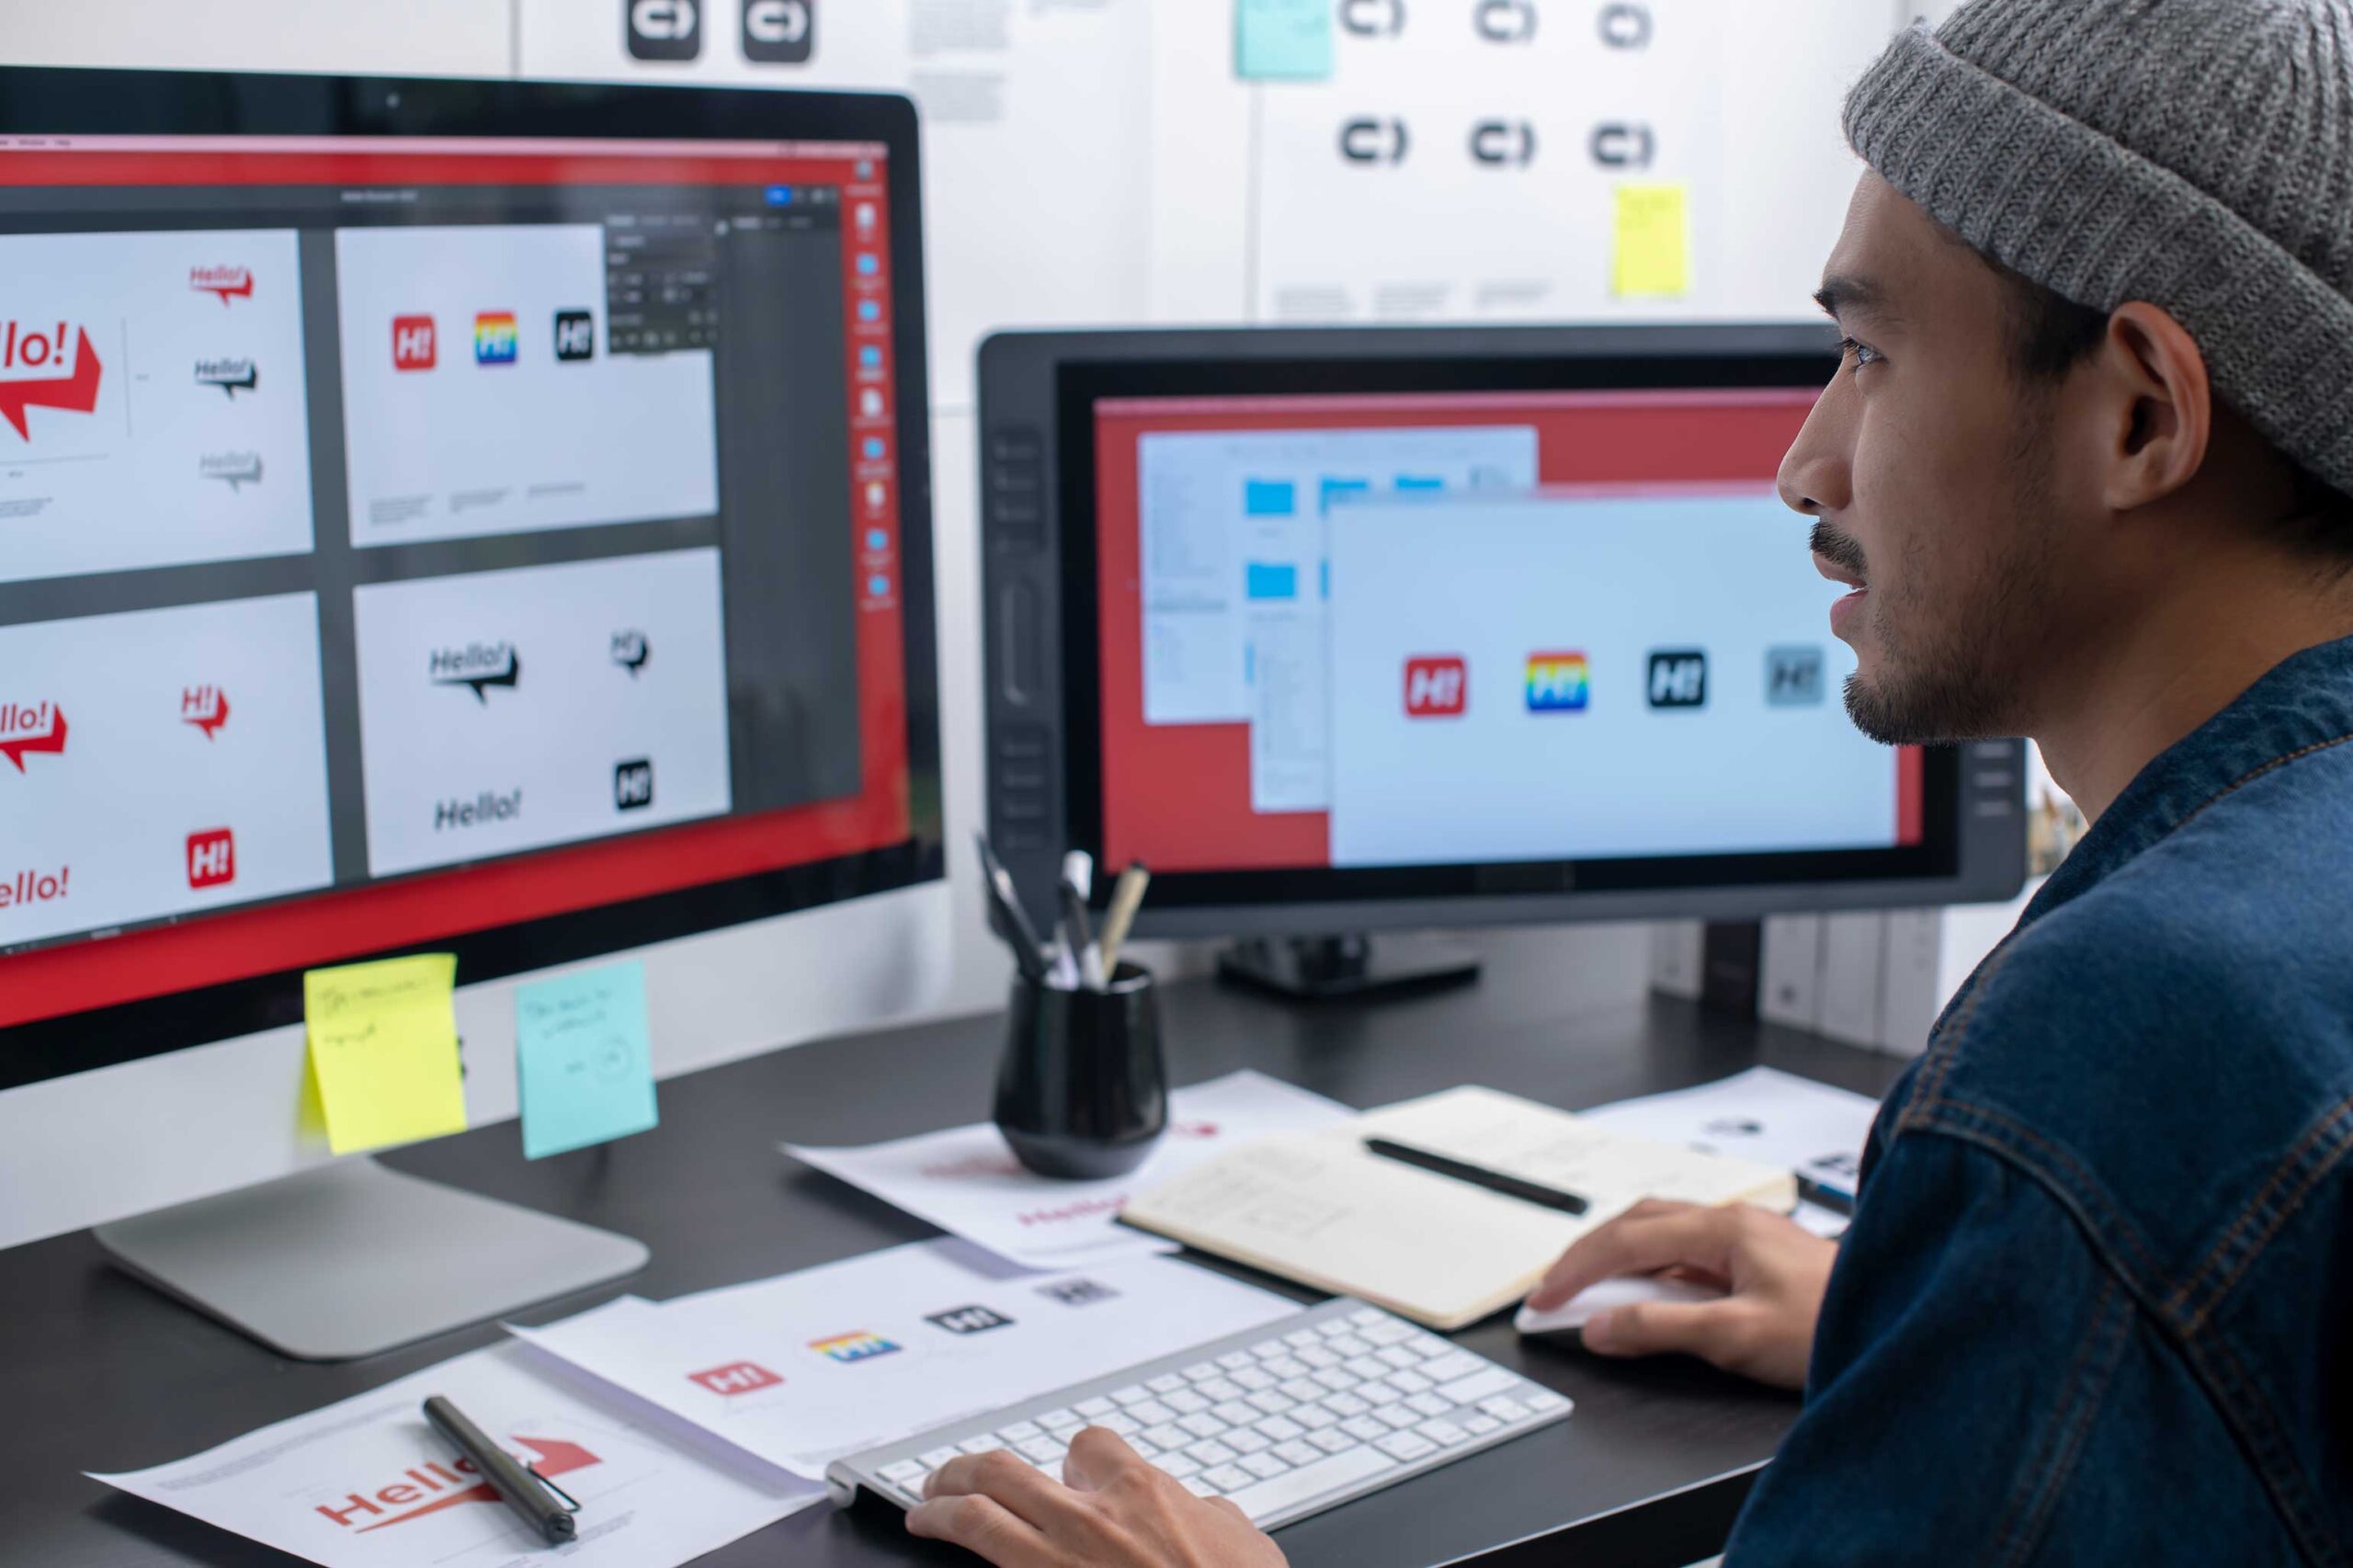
1127, 897
1478, 1176
1080, 937
524, 1490
1006, 917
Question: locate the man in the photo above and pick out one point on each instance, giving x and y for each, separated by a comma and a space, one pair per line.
2085, 471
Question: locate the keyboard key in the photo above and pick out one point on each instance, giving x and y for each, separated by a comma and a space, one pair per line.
1266, 1467
1200, 1487
1134, 1394
1233, 1412
1286, 1366
1271, 1402
1303, 1389
1300, 1337
1317, 1357
1544, 1400
1454, 1364
1167, 1437
1176, 1467
1216, 1388
1332, 1328
1430, 1346
1095, 1409
1199, 1372
1151, 1412
1389, 1332
1398, 1416
1201, 1423
1503, 1407
1310, 1481
1410, 1382
1245, 1441
1279, 1429
1212, 1453
1478, 1386
1480, 1426
986, 1443
1367, 1367
1377, 1392
903, 1471
1185, 1402
1364, 1428
1255, 1377
1314, 1417
1235, 1360
1061, 1421
1167, 1383
1298, 1453
1229, 1478
1346, 1405
1041, 1451
1401, 1355
1120, 1423
1406, 1446
1445, 1434
1349, 1344
1332, 1440
1365, 1316
1021, 1431
1429, 1404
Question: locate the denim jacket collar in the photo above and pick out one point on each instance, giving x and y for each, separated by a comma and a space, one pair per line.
2303, 703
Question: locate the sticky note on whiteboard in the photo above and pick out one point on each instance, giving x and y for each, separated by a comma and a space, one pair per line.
1282, 40
382, 1064
584, 1062
1651, 257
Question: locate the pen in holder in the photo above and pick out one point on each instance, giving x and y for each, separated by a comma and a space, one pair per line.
1082, 1093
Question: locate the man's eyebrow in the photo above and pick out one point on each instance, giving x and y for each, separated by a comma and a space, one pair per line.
1840, 295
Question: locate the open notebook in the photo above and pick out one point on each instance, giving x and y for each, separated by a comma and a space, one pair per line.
1317, 1209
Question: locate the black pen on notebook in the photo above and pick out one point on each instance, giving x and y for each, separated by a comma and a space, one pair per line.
1526, 1191
523, 1489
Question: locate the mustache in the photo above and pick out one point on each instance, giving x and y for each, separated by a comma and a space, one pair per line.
1839, 548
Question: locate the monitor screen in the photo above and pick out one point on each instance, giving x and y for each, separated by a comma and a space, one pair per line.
1327, 640
404, 536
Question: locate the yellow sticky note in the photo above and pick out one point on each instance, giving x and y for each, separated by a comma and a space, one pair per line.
1653, 256
383, 1053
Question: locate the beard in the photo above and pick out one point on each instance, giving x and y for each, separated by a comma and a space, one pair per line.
1956, 640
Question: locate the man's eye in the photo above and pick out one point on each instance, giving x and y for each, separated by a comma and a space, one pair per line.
1861, 353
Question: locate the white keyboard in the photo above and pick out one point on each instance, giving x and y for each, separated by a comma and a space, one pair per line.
1284, 1422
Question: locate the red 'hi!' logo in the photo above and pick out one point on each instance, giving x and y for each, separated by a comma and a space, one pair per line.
212, 858
412, 1491
206, 707
1436, 688
413, 345
737, 1377
35, 727
228, 282
40, 369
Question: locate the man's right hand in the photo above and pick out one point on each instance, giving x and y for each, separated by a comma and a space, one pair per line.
1775, 1273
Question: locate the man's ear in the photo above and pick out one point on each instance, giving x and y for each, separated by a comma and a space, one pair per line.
2154, 380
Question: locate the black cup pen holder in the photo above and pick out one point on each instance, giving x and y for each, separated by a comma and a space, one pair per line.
1083, 1092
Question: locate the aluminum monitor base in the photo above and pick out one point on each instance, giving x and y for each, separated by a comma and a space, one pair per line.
1328, 968
352, 1259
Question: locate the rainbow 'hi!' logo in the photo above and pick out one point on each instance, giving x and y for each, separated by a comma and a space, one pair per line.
862, 1346
1556, 683
494, 338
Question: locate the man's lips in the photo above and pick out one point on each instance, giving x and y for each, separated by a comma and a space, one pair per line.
1831, 569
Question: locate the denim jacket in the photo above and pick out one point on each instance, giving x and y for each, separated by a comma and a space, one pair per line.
2096, 1304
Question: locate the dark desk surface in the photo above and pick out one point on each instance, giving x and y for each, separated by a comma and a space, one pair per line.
98, 1372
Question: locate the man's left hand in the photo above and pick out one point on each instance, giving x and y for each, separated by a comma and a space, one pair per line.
1110, 1510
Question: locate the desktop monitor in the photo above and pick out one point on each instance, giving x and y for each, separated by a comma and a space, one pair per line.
1342, 630
443, 515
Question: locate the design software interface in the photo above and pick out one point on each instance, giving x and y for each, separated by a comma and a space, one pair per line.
1338, 631
371, 508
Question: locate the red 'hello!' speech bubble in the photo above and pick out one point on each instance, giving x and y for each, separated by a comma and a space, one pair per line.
75, 393
13, 747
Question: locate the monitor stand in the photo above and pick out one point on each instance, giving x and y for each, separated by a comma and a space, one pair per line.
1328, 968
352, 1259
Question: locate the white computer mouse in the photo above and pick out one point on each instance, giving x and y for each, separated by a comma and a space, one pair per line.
1625, 1292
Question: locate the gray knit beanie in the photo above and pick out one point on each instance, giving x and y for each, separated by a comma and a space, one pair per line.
2197, 155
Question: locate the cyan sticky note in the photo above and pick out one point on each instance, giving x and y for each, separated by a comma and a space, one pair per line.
583, 1060
1283, 40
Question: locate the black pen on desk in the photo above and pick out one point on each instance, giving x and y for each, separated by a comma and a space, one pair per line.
525, 1491
1534, 1192
1006, 915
